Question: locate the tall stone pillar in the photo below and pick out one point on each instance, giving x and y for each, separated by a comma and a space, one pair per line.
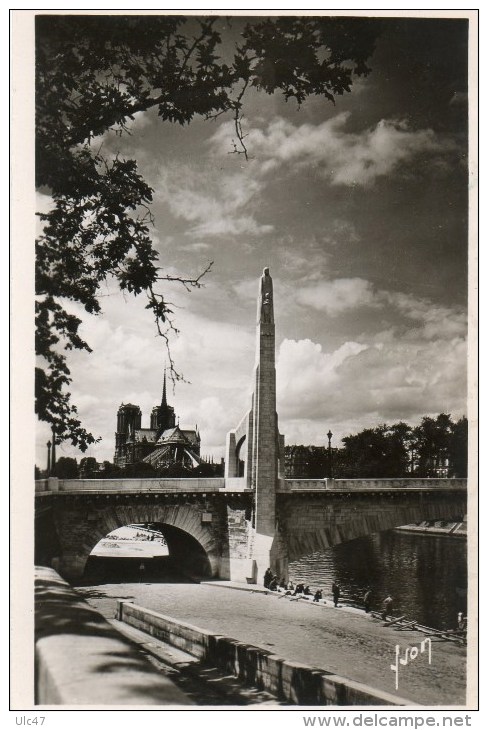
230, 456
257, 443
265, 444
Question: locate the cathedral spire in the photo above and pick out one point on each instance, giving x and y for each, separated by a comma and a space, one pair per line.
164, 402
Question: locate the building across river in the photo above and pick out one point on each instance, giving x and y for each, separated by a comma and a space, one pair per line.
162, 444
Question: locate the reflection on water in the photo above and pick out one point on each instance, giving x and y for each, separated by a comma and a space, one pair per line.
426, 574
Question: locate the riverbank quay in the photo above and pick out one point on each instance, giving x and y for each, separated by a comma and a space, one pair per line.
80, 659
343, 641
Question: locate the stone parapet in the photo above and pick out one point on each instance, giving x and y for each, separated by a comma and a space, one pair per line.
353, 485
239, 484
82, 660
137, 485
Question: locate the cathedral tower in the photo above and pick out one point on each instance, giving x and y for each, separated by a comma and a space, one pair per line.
128, 421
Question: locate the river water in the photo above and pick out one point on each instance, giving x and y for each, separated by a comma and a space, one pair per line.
425, 574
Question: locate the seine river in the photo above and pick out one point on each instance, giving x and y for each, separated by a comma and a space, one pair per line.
425, 574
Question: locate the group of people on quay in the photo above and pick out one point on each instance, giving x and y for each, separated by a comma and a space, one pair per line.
316, 595
300, 590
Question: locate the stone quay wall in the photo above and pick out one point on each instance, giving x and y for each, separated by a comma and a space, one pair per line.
295, 683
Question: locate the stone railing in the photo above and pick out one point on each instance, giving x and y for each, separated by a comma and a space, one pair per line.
307, 485
351, 485
129, 485
238, 484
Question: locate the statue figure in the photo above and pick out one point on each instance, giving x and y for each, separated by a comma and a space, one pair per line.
266, 314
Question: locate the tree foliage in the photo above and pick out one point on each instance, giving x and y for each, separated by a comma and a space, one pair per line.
306, 461
66, 468
436, 447
93, 74
88, 468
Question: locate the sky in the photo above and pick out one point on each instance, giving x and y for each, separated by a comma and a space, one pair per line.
359, 209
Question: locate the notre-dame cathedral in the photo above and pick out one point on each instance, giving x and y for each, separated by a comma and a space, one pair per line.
161, 445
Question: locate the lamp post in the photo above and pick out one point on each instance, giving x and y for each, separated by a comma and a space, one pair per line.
48, 458
329, 452
53, 452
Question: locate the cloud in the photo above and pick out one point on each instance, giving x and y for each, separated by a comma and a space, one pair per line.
435, 321
196, 246
305, 374
343, 157
139, 121
225, 208
359, 385
337, 295
416, 367
419, 317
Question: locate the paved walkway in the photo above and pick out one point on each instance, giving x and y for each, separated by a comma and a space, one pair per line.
344, 641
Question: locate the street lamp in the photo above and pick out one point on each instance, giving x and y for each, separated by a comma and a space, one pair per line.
329, 436
53, 452
48, 458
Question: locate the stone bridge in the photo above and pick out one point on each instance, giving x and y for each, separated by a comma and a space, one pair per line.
237, 526
209, 524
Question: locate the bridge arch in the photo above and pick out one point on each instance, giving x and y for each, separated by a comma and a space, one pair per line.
308, 525
182, 525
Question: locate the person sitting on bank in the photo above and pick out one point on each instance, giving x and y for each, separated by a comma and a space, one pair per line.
299, 589
307, 591
283, 584
387, 607
267, 577
290, 586
336, 592
273, 584
318, 596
